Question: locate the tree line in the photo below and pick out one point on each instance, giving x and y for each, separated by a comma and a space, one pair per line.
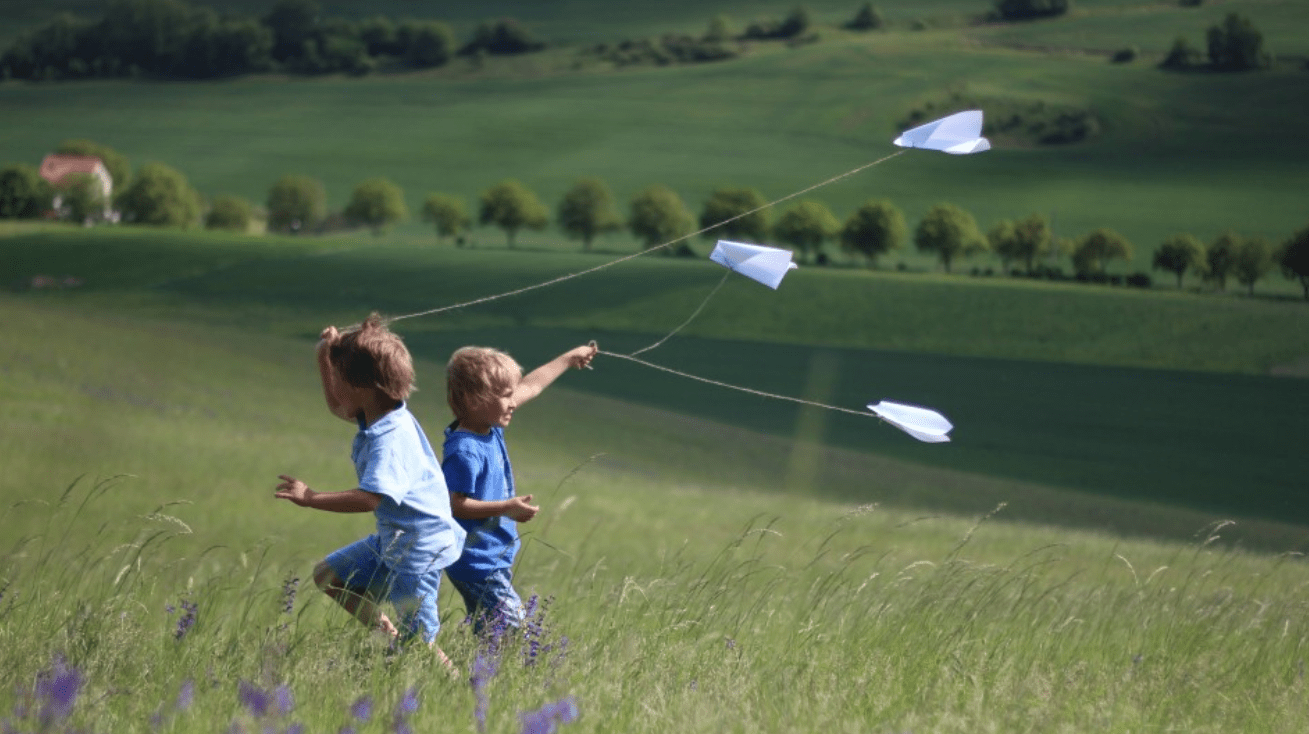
173, 39
157, 194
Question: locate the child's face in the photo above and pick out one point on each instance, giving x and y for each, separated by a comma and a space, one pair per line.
495, 409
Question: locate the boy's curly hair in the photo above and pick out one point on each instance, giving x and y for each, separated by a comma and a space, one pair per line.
474, 373
370, 355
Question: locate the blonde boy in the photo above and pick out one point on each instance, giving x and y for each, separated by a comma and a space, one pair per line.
367, 374
484, 387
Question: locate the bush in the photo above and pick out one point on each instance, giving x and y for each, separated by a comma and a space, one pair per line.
503, 37
230, 213
1124, 55
1030, 9
1139, 280
867, 18
23, 193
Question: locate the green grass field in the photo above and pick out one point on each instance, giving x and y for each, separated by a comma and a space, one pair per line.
692, 597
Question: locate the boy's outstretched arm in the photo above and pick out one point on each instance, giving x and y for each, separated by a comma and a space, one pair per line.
328, 375
540, 378
351, 500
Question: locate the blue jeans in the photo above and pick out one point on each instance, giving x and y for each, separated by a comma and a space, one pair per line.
492, 599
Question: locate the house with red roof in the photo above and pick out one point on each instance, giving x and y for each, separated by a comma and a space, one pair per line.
56, 168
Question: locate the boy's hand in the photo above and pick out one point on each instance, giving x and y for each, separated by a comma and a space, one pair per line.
521, 509
295, 490
327, 338
580, 357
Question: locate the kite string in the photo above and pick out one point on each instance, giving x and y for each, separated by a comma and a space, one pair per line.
689, 320
730, 386
648, 250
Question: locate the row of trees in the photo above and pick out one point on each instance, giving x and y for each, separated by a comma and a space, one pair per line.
171, 38
1233, 45
657, 216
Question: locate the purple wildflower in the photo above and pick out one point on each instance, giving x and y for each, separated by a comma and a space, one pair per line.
186, 621
57, 690
185, 696
485, 668
362, 709
284, 699
255, 700
547, 719
288, 594
408, 703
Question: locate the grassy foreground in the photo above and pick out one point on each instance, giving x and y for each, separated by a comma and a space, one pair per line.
690, 600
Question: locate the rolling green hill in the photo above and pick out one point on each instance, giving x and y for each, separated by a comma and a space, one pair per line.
1090, 390
1195, 153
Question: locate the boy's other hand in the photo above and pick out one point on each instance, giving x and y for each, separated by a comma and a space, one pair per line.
521, 509
580, 357
327, 338
293, 489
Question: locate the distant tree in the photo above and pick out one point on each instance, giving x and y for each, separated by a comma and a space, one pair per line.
1031, 239
1000, 238
1236, 45
231, 213
377, 203
658, 216
120, 170
160, 195
1182, 55
740, 212
448, 213
806, 226
296, 203
867, 18
1178, 254
82, 198
1220, 258
1093, 251
226, 48
293, 23
720, 29
1294, 259
1030, 9
795, 24
504, 36
425, 43
587, 210
511, 206
23, 193
1254, 259
150, 35
950, 232
874, 229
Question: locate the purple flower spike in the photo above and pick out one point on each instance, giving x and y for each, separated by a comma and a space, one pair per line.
362, 709
186, 621
284, 699
185, 696
408, 704
547, 719
58, 689
255, 701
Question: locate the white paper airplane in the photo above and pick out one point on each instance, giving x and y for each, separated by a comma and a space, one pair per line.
924, 424
765, 264
958, 134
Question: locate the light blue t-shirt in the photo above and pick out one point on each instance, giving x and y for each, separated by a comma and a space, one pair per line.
415, 531
477, 466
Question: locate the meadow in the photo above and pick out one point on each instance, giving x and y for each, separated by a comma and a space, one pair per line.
684, 593
1112, 541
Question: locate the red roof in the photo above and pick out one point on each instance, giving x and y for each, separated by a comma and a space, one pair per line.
55, 167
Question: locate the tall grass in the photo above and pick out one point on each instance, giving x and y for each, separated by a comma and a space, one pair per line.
831, 619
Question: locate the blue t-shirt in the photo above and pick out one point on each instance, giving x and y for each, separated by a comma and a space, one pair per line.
415, 530
477, 466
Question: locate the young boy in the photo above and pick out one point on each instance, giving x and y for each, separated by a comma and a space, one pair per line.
367, 374
484, 387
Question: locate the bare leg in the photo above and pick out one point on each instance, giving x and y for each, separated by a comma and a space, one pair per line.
360, 607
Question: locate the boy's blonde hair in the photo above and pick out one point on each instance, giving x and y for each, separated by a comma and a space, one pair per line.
370, 355
476, 373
